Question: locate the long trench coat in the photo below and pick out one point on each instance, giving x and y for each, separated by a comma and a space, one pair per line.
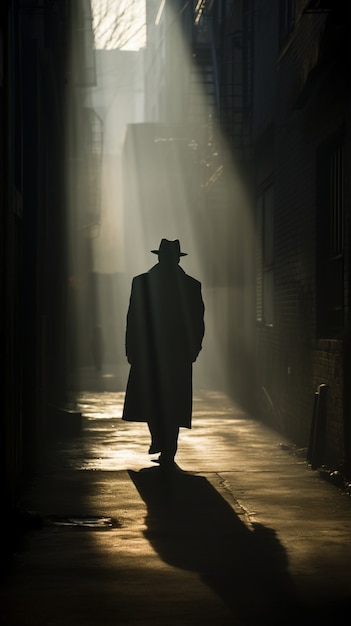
164, 332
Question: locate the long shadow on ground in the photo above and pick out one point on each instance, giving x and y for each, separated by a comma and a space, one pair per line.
191, 526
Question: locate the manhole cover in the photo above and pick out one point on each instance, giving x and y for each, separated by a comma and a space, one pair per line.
96, 522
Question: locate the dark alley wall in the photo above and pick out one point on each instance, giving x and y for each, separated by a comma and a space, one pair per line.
305, 343
37, 106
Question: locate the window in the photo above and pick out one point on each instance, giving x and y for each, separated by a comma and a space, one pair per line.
265, 257
330, 239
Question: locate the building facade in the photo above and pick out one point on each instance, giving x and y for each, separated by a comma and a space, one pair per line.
46, 142
301, 139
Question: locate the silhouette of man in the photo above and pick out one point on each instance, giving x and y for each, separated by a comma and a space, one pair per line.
164, 332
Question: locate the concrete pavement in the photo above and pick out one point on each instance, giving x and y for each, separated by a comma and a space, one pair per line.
243, 533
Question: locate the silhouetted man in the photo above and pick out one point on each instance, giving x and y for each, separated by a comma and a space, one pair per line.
165, 328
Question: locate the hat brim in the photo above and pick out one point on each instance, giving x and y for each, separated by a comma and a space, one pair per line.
180, 253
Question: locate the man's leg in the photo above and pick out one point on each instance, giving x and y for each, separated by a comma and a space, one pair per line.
169, 444
155, 445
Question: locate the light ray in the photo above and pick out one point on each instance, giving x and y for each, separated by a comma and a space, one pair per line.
169, 174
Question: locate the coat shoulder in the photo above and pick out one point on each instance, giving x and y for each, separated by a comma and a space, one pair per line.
193, 281
140, 277
139, 280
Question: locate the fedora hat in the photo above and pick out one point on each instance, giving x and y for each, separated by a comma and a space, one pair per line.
170, 248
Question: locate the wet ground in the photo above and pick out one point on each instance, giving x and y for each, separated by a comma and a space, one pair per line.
244, 532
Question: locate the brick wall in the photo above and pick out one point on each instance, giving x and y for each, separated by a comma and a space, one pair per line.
291, 362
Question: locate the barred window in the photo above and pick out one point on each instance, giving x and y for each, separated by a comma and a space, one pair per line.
330, 239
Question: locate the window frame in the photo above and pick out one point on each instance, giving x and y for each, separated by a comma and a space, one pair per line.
330, 233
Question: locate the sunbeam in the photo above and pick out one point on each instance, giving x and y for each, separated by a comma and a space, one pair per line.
166, 172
